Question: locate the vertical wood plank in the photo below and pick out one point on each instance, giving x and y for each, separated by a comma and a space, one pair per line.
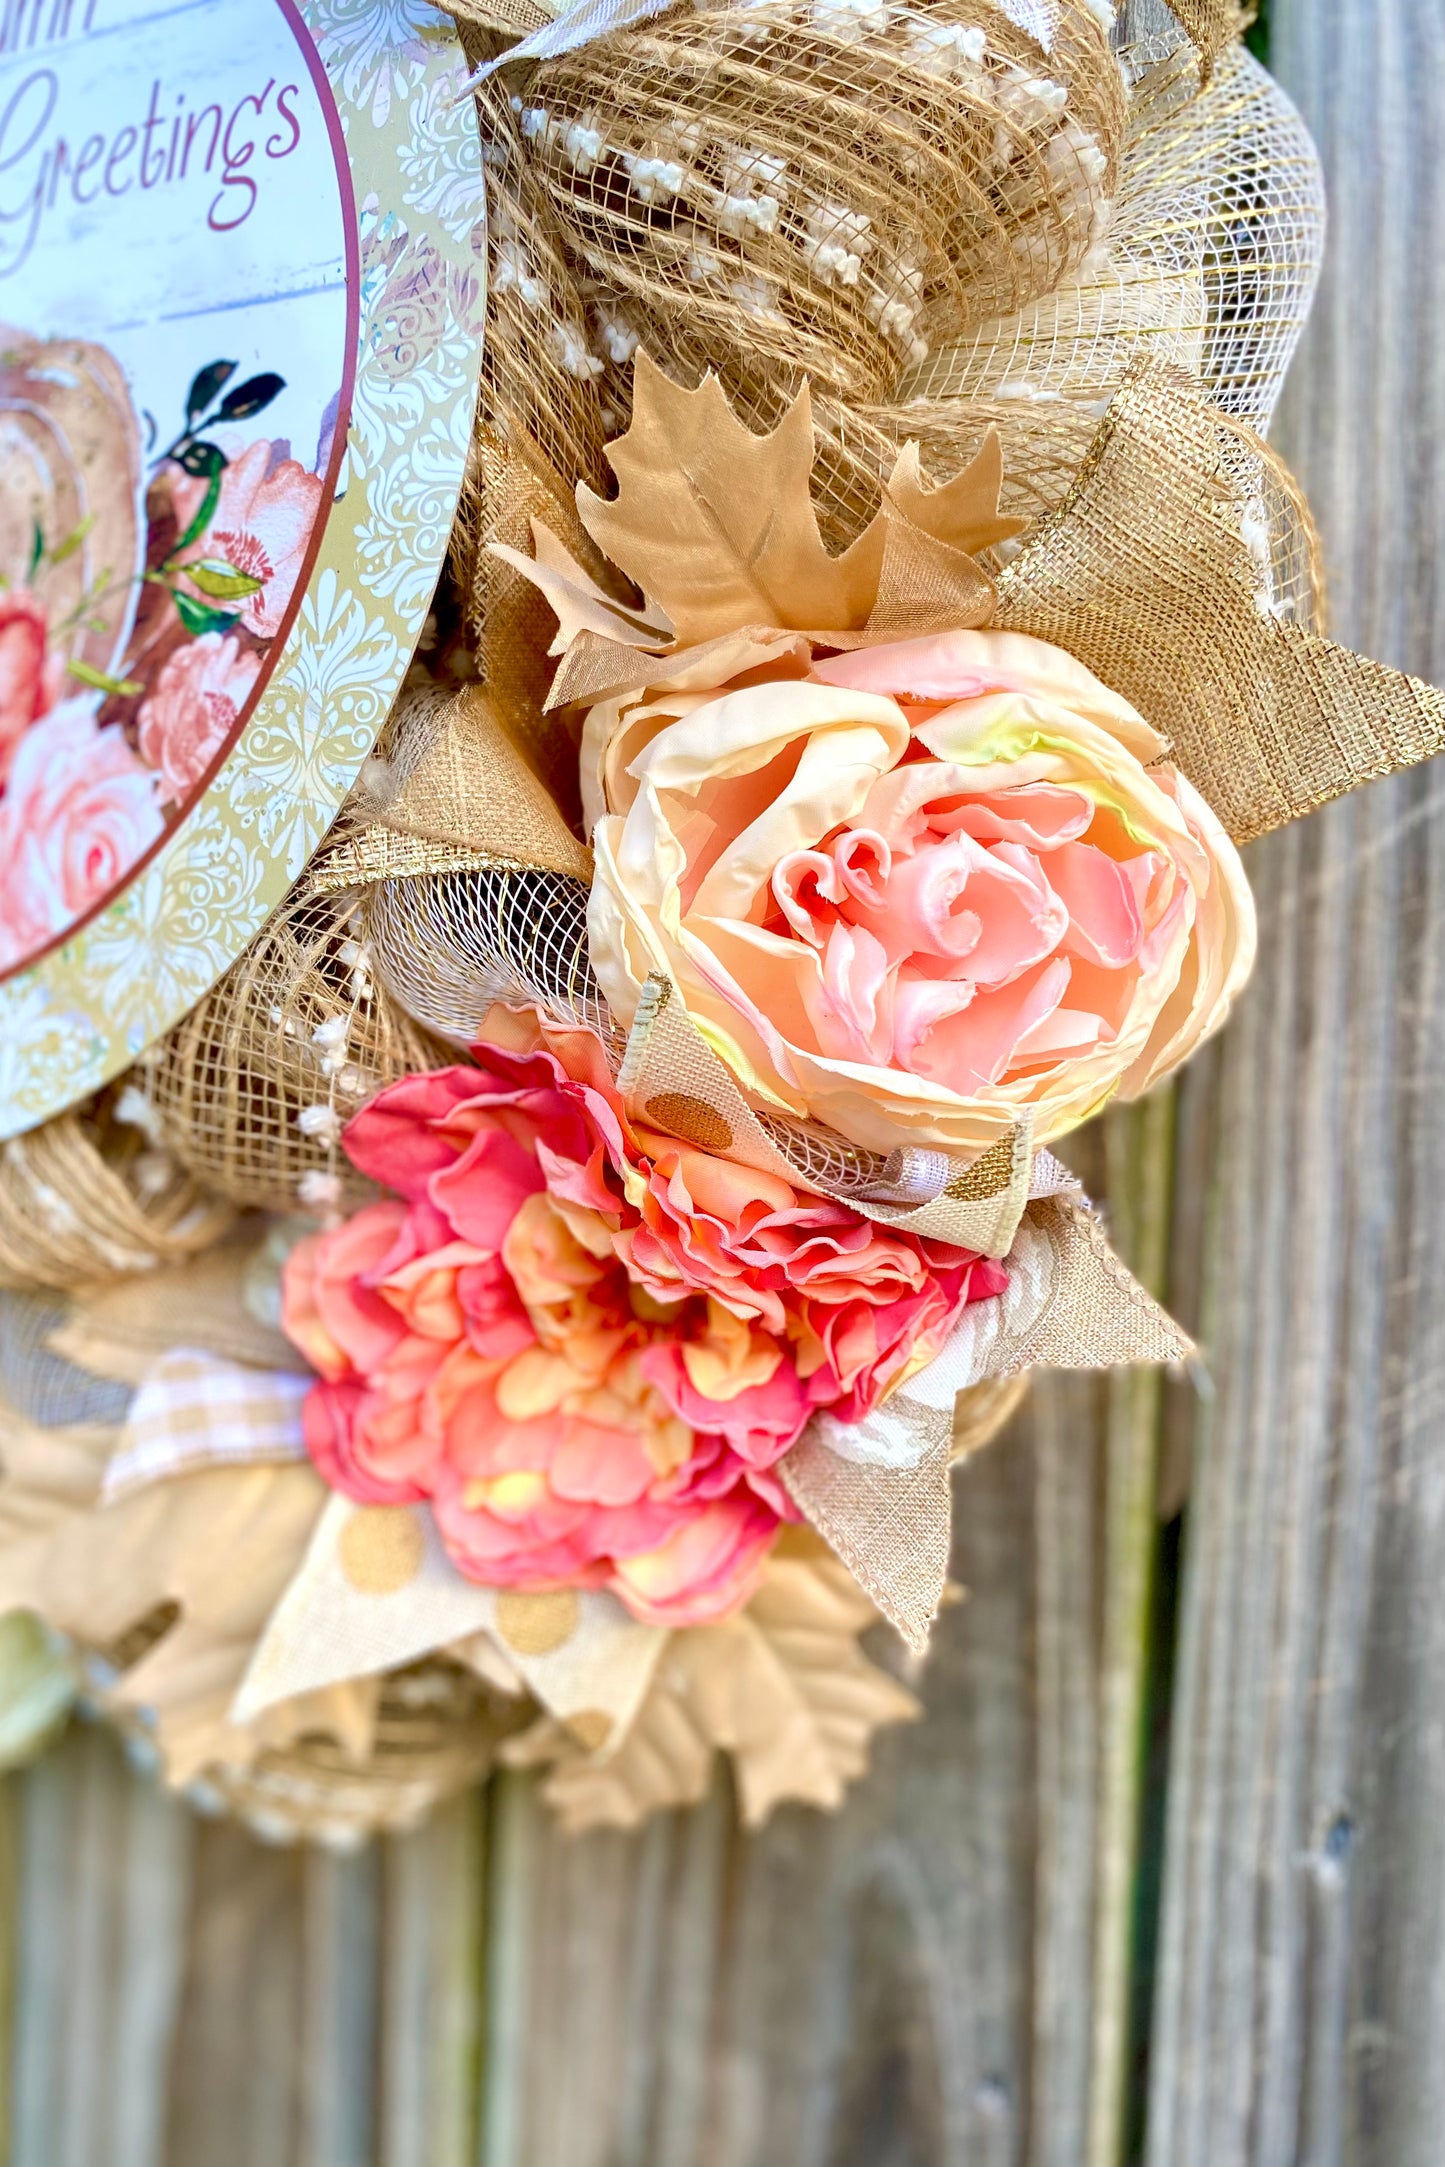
432, 1964
1301, 1993
9, 1911
1140, 1148
99, 1929
340, 1930
274, 2058
234, 2072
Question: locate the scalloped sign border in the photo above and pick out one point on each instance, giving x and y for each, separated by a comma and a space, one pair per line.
415, 255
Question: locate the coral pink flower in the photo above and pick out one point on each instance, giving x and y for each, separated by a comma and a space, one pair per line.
589, 1345
31, 677
261, 526
193, 709
79, 812
928, 885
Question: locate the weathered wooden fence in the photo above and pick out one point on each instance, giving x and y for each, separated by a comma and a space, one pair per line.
1019, 1934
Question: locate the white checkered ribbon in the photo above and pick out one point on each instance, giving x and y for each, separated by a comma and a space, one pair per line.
193, 1409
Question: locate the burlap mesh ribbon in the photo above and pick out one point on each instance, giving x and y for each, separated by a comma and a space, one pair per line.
1070, 1304
1210, 259
1156, 572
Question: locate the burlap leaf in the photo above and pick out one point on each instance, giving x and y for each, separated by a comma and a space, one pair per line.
1151, 574
466, 794
1070, 1303
891, 1526
783, 1687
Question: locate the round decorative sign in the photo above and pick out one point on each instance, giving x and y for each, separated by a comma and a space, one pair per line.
242, 279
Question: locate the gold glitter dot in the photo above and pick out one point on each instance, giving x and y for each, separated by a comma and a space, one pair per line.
591, 1727
692, 1119
381, 1548
536, 1624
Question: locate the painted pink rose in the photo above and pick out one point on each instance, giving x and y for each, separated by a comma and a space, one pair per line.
914, 890
586, 1344
80, 811
261, 526
31, 677
193, 709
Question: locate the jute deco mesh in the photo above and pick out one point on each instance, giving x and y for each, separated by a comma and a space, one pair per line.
827, 189
251, 1090
539, 431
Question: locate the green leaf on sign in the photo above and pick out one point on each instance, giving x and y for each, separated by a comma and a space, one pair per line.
126, 687
37, 549
221, 581
73, 540
251, 397
205, 385
199, 617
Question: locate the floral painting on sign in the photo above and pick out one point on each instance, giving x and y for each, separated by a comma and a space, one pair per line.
146, 576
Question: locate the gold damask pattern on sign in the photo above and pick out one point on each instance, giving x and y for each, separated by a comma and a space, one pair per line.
86, 1011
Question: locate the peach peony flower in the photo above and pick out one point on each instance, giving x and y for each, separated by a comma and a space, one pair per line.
589, 1345
916, 888
31, 677
193, 710
80, 811
261, 526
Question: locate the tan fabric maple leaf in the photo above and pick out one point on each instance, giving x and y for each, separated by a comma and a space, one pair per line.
717, 527
219, 1545
783, 1687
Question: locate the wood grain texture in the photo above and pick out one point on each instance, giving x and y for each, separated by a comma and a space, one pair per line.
99, 1937
1301, 1999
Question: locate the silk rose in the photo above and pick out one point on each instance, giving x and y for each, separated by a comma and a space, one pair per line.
915, 889
589, 1345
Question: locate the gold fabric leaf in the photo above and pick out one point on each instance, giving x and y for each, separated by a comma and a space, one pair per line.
469, 797
207, 1555
718, 524
783, 1687
963, 513
1148, 573
576, 600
